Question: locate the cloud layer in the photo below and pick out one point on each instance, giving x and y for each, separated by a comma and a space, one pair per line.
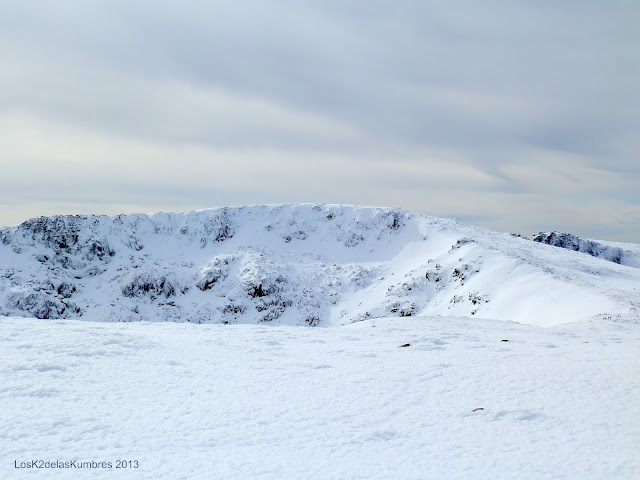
514, 116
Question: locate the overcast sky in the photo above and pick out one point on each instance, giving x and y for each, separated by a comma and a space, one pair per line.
515, 116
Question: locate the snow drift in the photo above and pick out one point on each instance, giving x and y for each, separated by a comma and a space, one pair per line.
298, 265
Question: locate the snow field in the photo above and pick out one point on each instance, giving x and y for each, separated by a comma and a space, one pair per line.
255, 401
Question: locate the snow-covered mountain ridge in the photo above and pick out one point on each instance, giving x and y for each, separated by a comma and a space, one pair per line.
624, 254
298, 265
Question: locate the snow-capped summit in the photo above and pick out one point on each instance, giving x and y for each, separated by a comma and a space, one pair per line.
298, 265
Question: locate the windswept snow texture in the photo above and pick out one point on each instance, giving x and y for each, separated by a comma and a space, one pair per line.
622, 253
297, 265
465, 399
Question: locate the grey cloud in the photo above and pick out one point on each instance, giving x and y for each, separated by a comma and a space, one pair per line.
489, 81
354, 61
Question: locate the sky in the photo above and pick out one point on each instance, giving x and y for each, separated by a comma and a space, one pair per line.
515, 116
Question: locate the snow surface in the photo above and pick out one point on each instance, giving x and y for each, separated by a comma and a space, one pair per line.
256, 401
317, 265
173, 340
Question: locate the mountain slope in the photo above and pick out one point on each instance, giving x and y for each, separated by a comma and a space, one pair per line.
622, 253
298, 265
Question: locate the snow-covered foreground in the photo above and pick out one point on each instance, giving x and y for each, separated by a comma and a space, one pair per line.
254, 401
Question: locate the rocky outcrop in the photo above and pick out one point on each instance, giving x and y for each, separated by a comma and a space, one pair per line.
577, 244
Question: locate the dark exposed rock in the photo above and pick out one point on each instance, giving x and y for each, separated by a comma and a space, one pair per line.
463, 272
220, 227
571, 242
298, 234
460, 242
153, 285
5, 236
61, 234
233, 309
353, 239
41, 304
214, 272
393, 219
312, 321
65, 289
273, 308
134, 244
403, 309
265, 286
209, 278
